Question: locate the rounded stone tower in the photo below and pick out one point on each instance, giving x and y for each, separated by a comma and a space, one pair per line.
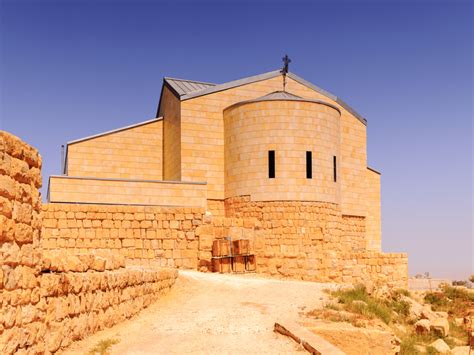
281, 147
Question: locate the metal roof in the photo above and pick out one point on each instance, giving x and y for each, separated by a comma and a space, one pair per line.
375, 171
279, 95
209, 88
183, 87
231, 84
283, 96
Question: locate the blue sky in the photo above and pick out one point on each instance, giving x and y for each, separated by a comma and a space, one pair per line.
70, 69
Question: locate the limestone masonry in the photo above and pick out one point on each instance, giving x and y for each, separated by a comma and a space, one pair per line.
50, 298
244, 159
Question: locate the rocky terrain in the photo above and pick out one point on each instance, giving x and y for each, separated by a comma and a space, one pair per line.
397, 321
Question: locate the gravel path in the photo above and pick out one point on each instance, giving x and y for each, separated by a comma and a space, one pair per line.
214, 313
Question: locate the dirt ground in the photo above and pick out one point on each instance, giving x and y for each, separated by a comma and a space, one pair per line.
214, 313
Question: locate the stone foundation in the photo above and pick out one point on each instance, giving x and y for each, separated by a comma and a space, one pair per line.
292, 239
315, 241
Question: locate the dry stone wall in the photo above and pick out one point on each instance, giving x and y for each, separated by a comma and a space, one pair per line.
49, 300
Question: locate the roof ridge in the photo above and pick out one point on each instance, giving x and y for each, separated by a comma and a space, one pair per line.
232, 83
282, 93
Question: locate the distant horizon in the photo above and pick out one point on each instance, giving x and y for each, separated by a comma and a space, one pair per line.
74, 69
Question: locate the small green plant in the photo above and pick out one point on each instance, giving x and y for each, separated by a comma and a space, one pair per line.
436, 298
408, 342
458, 332
381, 311
431, 351
103, 346
453, 300
358, 293
401, 307
455, 293
373, 307
332, 306
400, 292
407, 346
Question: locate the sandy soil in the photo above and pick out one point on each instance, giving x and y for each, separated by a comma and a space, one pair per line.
214, 313
353, 340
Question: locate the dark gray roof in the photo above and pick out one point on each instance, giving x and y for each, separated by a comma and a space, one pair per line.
280, 95
209, 88
375, 171
283, 96
183, 87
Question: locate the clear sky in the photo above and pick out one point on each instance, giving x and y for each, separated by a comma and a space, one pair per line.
70, 69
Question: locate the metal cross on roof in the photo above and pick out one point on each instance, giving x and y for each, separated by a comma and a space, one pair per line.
284, 70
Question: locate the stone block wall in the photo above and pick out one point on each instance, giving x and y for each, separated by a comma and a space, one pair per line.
315, 241
170, 108
158, 236
162, 236
48, 301
291, 239
376, 268
373, 200
290, 129
129, 153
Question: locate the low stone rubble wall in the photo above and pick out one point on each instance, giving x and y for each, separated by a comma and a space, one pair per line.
47, 301
55, 309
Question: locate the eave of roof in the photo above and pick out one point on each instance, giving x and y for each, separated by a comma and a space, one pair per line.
116, 130
283, 96
375, 171
183, 86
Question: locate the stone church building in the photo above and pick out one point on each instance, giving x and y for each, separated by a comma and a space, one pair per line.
293, 161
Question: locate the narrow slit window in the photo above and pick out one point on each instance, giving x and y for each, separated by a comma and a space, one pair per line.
334, 163
309, 165
271, 164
